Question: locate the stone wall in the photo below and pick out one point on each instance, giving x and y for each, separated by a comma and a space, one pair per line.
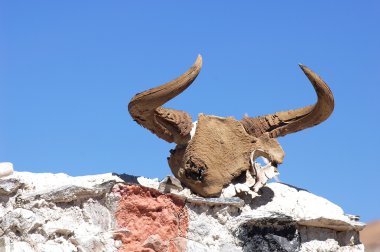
110, 212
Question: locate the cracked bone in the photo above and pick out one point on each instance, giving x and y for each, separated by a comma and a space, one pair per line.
250, 181
255, 178
243, 188
262, 173
232, 189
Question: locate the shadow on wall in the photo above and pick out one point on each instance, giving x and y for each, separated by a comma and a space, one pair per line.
295, 187
265, 196
270, 235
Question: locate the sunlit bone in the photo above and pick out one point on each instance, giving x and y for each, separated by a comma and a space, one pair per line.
262, 173
215, 151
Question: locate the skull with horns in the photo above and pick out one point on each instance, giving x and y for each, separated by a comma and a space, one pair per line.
214, 151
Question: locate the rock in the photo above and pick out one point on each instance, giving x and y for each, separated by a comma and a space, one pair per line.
281, 218
9, 186
170, 184
307, 208
19, 222
7, 245
151, 183
155, 243
118, 243
68, 193
229, 191
56, 212
234, 201
6, 169
153, 219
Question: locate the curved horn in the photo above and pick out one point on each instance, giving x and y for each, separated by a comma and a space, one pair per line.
283, 123
168, 124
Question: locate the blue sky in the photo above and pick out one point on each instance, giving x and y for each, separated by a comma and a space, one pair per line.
69, 68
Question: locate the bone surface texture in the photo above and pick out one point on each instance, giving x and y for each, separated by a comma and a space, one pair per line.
213, 152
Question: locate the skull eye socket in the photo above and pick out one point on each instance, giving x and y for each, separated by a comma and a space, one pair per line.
261, 160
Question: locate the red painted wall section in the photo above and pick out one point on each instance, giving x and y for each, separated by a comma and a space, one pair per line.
155, 222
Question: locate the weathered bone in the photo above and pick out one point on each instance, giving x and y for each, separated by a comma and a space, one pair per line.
168, 124
214, 151
262, 174
283, 123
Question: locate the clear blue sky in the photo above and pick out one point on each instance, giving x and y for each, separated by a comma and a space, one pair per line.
69, 68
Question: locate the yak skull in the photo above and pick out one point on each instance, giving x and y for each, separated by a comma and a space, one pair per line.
213, 152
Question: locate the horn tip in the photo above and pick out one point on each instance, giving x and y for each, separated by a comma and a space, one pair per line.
305, 69
302, 66
199, 60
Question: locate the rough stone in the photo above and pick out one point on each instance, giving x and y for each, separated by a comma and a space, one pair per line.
152, 183
6, 169
105, 213
155, 243
9, 186
56, 212
68, 193
170, 184
234, 201
153, 219
280, 218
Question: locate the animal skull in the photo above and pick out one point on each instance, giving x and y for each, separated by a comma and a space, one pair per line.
213, 152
